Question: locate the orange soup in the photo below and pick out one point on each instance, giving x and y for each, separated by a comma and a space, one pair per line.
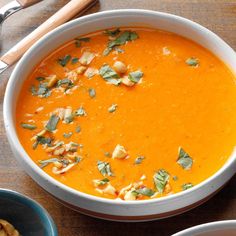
129, 114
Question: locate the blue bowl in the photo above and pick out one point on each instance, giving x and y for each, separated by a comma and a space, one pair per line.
26, 215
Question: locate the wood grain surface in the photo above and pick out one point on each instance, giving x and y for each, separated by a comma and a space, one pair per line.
217, 15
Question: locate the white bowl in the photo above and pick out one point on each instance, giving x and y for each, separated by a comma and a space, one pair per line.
217, 228
95, 206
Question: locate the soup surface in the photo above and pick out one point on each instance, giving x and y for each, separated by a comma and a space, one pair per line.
129, 113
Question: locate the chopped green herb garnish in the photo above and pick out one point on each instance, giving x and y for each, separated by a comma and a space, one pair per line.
107, 154
42, 90
33, 90
112, 108
192, 61
107, 51
78, 159
80, 112
119, 50
135, 76
187, 186
74, 60
112, 33
104, 168
46, 162
139, 160
120, 40
42, 140
78, 129
160, 180
144, 191
78, 41
67, 82
92, 92
65, 162
67, 135
103, 181
175, 178
184, 159
40, 78
52, 123
109, 74
28, 126
64, 60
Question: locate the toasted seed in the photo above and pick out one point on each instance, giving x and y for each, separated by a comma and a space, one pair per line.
52, 80
63, 170
130, 196
120, 67
119, 152
59, 151
81, 69
67, 114
58, 164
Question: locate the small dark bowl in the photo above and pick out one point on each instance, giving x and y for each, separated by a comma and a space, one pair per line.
26, 215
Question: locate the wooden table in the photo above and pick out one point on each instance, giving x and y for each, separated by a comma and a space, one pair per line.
217, 15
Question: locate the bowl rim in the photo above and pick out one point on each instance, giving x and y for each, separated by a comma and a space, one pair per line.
16, 144
207, 227
37, 207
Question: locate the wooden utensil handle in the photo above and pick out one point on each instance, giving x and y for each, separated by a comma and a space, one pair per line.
27, 3
64, 14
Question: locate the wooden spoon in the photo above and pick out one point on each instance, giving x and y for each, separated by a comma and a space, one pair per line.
64, 14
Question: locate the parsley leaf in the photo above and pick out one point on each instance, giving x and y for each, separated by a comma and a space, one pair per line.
52, 123
104, 168
192, 61
77, 129
28, 126
112, 33
74, 60
187, 186
44, 163
184, 159
80, 112
120, 40
144, 191
135, 76
40, 78
160, 180
92, 92
139, 160
42, 90
103, 181
109, 75
42, 140
67, 82
79, 40
67, 135
64, 60
107, 154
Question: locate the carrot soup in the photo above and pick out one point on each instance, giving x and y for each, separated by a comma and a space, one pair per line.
129, 114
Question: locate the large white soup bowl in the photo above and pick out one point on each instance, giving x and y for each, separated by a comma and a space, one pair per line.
95, 206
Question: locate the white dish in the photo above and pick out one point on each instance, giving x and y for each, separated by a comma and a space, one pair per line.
95, 206
218, 228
